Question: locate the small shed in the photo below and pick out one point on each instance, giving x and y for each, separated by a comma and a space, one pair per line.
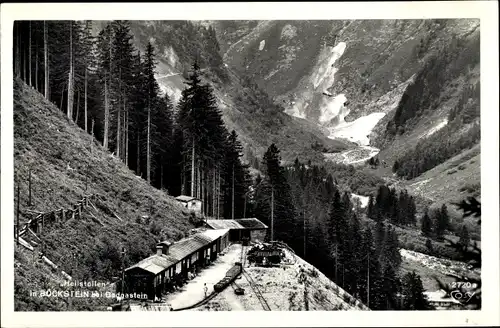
189, 202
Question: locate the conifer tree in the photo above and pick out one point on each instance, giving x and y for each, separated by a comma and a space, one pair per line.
371, 208
413, 293
104, 42
426, 224
151, 95
390, 289
277, 199
464, 240
46, 60
441, 222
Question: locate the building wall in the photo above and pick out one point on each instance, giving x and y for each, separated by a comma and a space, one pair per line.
259, 235
195, 205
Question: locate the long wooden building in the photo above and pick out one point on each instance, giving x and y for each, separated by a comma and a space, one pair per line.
170, 265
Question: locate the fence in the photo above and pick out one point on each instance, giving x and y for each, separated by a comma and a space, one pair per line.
39, 220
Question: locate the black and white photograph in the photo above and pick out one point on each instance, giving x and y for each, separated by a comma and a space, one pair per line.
202, 165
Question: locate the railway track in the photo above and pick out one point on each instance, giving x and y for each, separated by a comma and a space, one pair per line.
250, 280
256, 290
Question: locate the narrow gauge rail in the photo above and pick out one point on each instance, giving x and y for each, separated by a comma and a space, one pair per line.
231, 275
256, 290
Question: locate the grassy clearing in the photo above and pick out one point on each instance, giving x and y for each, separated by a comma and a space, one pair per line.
63, 170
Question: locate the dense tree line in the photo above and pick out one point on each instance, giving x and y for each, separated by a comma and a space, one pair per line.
471, 254
108, 87
425, 94
436, 223
387, 205
456, 57
307, 210
468, 106
434, 150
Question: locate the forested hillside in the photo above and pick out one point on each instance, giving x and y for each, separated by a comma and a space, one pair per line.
246, 107
184, 150
310, 212
437, 117
136, 112
57, 163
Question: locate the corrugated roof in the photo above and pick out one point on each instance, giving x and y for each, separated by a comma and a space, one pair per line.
178, 251
214, 234
185, 247
183, 198
155, 263
224, 224
251, 223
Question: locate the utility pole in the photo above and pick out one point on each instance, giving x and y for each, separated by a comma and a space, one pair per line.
245, 207
29, 188
272, 213
193, 153
368, 281
336, 263
232, 199
304, 217
343, 276
17, 214
123, 270
46, 59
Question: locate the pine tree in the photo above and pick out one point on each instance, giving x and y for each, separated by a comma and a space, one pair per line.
464, 240
236, 177
151, 95
71, 73
163, 142
441, 222
426, 224
353, 255
371, 208
278, 196
390, 289
379, 238
428, 245
413, 293
105, 76
46, 60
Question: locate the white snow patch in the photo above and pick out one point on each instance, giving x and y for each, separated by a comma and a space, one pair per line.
436, 128
358, 130
170, 56
333, 108
326, 69
321, 80
363, 199
262, 45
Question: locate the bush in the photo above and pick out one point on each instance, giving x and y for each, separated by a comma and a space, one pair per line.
154, 228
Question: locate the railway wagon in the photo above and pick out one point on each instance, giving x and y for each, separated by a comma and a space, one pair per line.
231, 274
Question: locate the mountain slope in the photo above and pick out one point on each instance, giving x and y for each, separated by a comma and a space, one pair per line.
65, 167
401, 86
362, 59
246, 107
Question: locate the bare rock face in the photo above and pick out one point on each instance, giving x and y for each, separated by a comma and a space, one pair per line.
314, 67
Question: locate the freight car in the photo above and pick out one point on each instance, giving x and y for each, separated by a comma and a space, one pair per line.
231, 275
